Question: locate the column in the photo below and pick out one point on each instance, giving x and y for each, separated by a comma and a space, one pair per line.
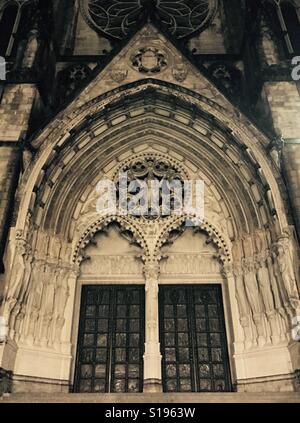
66, 336
152, 357
238, 332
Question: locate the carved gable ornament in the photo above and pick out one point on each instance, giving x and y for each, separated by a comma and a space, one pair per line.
149, 60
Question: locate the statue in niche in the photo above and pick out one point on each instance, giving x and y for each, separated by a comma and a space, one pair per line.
285, 271
34, 302
241, 294
275, 289
240, 290
243, 305
16, 278
62, 293
19, 322
48, 303
264, 282
267, 296
20, 291
253, 296
251, 285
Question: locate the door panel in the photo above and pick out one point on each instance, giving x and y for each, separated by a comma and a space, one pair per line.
111, 339
193, 339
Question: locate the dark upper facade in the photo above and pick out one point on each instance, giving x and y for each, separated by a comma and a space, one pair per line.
240, 43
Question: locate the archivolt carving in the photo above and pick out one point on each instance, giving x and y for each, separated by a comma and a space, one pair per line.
96, 105
33, 313
127, 163
153, 84
214, 212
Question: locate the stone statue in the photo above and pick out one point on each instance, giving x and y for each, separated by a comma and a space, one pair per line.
16, 278
284, 270
251, 285
240, 290
47, 307
273, 280
253, 296
264, 282
243, 305
34, 303
62, 294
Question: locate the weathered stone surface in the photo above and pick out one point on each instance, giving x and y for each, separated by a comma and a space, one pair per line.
157, 399
156, 103
15, 110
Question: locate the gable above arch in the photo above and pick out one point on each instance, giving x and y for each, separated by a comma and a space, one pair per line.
148, 55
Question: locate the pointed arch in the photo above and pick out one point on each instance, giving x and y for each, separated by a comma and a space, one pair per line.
181, 121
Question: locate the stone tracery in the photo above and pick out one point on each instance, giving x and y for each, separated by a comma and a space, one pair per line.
116, 19
40, 320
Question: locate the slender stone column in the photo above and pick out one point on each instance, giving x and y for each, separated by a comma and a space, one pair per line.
66, 336
152, 357
238, 332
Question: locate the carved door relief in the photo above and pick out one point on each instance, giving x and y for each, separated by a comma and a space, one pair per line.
111, 340
193, 339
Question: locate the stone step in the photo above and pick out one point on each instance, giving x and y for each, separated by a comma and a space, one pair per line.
155, 398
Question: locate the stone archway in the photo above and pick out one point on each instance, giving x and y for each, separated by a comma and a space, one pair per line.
246, 220
145, 267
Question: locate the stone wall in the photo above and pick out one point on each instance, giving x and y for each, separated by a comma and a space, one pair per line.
284, 102
15, 110
291, 157
87, 41
9, 164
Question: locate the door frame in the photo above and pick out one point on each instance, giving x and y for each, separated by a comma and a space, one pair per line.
139, 280
82, 318
227, 358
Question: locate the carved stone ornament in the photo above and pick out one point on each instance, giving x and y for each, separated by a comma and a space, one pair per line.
149, 60
180, 72
119, 74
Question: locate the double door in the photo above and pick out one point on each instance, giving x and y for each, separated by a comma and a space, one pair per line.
112, 338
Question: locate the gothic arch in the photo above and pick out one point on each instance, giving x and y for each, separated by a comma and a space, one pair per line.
127, 225
213, 235
88, 142
206, 131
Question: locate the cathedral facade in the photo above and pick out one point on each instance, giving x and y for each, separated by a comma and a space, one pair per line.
204, 90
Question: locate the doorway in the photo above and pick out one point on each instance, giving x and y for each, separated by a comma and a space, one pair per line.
111, 340
193, 339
